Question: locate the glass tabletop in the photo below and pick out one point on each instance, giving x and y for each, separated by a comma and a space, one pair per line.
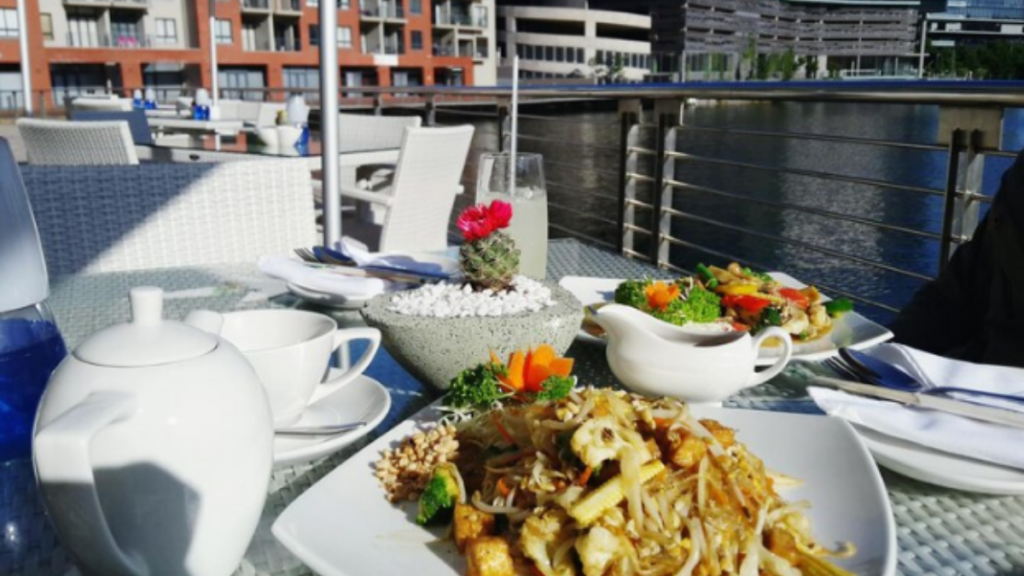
249, 143
939, 531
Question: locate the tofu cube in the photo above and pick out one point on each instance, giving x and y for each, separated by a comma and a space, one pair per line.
489, 556
471, 523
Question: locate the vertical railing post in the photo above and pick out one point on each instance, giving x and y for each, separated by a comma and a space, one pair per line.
503, 107
666, 115
629, 117
431, 109
970, 185
956, 146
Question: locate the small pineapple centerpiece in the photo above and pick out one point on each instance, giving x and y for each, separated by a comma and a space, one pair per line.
489, 257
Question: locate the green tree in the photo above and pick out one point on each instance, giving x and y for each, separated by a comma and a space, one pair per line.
750, 57
788, 65
811, 67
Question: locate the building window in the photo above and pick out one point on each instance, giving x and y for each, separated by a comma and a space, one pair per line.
223, 32
344, 37
580, 56
549, 53
344, 4
312, 3
417, 40
8, 23
559, 54
166, 31
314, 34
416, 7
46, 24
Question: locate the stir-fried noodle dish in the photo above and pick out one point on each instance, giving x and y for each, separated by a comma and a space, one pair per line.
606, 483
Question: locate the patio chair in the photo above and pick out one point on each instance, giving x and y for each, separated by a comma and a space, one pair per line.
61, 143
419, 201
267, 114
101, 104
364, 132
116, 218
137, 123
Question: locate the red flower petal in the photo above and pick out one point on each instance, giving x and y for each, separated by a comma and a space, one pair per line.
501, 214
475, 223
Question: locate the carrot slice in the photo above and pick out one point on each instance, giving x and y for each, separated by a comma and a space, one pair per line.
516, 370
536, 376
585, 476
502, 487
544, 354
501, 429
561, 366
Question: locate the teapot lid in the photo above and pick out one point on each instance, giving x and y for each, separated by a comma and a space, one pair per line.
147, 340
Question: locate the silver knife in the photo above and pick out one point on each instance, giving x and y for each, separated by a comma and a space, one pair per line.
939, 404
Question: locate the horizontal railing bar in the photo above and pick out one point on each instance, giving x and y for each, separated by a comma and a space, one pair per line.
830, 290
635, 202
636, 228
568, 143
798, 244
582, 214
643, 177
644, 151
806, 210
593, 193
635, 254
577, 234
460, 112
813, 136
1001, 153
548, 161
564, 120
808, 173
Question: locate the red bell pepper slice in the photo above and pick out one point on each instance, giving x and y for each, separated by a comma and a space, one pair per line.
745, 302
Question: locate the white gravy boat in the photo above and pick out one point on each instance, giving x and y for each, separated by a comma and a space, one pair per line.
695, 365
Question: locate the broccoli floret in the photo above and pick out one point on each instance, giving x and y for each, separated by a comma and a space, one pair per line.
838, 307
439, 497
556, 388
631, 293
770, 316
673, 313
476, 387
702, 305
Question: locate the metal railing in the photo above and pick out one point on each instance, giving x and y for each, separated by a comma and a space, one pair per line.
256, 4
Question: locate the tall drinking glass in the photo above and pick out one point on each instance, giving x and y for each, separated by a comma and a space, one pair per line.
529, 226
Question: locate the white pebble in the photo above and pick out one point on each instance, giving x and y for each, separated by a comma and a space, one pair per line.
445, 300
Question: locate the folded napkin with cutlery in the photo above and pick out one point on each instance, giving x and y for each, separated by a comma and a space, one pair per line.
321, 278
404, 262
946, 432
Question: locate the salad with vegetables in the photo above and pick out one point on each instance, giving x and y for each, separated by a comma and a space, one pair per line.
736, 295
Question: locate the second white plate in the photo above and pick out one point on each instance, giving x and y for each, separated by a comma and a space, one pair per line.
852, 330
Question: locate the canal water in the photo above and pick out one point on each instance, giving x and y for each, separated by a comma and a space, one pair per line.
581, 159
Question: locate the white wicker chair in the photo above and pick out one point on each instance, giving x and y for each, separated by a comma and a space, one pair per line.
419, 201
364, 132
60, 143
267, 114
114, 218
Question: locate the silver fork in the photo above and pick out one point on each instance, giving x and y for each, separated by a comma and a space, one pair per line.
306, 255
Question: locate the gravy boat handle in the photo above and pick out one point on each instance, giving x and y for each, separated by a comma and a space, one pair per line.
780, 364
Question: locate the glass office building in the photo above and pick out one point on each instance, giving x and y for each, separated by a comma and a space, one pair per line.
986, 9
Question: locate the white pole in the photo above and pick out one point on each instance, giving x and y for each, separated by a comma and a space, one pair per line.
924, 40
213, 52
26, 65
329, 121
515, 127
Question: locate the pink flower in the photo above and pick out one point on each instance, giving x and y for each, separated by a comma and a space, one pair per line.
480, 221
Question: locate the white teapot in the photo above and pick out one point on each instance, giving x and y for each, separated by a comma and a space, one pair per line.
153, 448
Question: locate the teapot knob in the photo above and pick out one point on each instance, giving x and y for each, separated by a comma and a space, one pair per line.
147, 305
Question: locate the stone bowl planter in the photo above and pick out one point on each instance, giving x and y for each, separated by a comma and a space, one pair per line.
435, 350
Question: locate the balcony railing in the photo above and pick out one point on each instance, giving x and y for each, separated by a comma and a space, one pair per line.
446, 50
385, 10
102, 40
287, 45
294, 6
138, 4
261, 5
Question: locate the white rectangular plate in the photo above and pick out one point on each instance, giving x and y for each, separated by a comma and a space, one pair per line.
344, 526
852, 330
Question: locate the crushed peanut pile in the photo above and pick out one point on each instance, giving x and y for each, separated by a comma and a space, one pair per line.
405, 470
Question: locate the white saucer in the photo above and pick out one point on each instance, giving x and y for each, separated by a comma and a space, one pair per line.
363, 399
327, 299
940, 468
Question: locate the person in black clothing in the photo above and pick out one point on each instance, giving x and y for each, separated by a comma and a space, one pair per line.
974, 310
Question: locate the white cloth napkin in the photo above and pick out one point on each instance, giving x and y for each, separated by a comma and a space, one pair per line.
934, 371
397, 261
946, 432
321, 279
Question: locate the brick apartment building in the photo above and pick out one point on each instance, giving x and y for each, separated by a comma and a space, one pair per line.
81, 46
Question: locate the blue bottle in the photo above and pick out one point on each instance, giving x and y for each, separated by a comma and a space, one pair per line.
30, 344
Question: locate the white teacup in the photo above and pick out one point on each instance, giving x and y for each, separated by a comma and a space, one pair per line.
698, 366
291, 351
